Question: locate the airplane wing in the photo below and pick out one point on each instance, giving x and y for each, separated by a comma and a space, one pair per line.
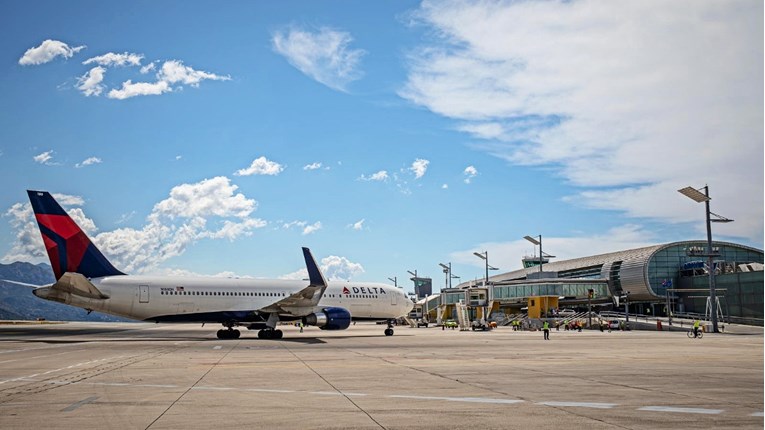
304, 301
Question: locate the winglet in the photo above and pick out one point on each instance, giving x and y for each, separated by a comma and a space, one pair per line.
314, 273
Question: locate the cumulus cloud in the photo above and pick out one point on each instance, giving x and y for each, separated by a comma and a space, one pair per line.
47, 52
111, 59
323, 55
470, 172
171, 73
419, 167
261, 166
334, 268
175, 71
380, 176
209, 209
88, 162
607, 93
130, 89
312, 166
90, 82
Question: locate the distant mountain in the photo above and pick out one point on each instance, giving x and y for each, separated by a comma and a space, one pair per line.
18, 303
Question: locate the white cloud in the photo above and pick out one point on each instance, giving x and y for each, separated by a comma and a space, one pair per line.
44, 158
333, 267
358, 225
130, 89
445, 186
312, 166
380, 176
88, 162
111, 59
261, 166
148, 68
470, 172
90, 83
419, 167
307, 228
323, 55
209, 209
47, 51
174, 72
620, 96
313, 228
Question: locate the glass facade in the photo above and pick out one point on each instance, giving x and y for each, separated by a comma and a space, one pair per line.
665, 265
561, 289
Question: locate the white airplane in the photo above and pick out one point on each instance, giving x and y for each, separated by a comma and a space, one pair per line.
86, 279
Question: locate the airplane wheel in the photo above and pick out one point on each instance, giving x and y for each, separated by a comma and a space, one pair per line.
262, 334
221, 334
236, 334
389, 332
278, 334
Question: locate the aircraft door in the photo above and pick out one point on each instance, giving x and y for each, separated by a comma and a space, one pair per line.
393, 300
143, 294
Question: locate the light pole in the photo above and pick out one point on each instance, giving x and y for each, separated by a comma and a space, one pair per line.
698, 197
485, 257
395, 281
541, 254
448, 273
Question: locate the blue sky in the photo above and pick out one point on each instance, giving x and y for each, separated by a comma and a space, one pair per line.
218, 138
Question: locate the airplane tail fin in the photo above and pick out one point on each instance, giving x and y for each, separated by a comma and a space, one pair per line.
69, 249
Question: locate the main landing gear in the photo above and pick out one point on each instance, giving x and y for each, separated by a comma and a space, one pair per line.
270, 333
389, 330
229, 332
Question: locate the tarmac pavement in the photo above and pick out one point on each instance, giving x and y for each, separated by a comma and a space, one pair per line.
148, 376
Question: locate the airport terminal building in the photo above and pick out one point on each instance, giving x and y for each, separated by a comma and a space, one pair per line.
655, 280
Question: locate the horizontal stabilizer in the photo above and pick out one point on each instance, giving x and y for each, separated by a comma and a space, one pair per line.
75, 283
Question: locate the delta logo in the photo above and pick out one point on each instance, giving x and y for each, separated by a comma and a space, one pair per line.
364, 290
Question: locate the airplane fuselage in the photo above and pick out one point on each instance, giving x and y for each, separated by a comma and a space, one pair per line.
195, 299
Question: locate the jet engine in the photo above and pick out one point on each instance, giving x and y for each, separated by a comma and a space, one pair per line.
330, 319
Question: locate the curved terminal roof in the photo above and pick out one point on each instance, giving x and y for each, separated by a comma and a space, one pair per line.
628, 270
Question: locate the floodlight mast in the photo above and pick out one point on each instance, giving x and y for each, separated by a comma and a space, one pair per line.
541, 255
448, 272
698, 197
485, 257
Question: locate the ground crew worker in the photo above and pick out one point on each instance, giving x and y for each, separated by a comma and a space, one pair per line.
696, 325
546, 329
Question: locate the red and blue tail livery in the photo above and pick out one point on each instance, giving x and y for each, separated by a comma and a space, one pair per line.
69, 249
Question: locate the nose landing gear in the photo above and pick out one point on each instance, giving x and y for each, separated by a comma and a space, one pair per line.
389, 330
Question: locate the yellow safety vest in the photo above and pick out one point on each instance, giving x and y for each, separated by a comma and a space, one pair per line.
546, 326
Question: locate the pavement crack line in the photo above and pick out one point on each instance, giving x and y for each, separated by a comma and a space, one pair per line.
193, 385
76, 376
308, 366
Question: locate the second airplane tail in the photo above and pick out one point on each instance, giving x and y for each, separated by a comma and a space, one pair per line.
69, 248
